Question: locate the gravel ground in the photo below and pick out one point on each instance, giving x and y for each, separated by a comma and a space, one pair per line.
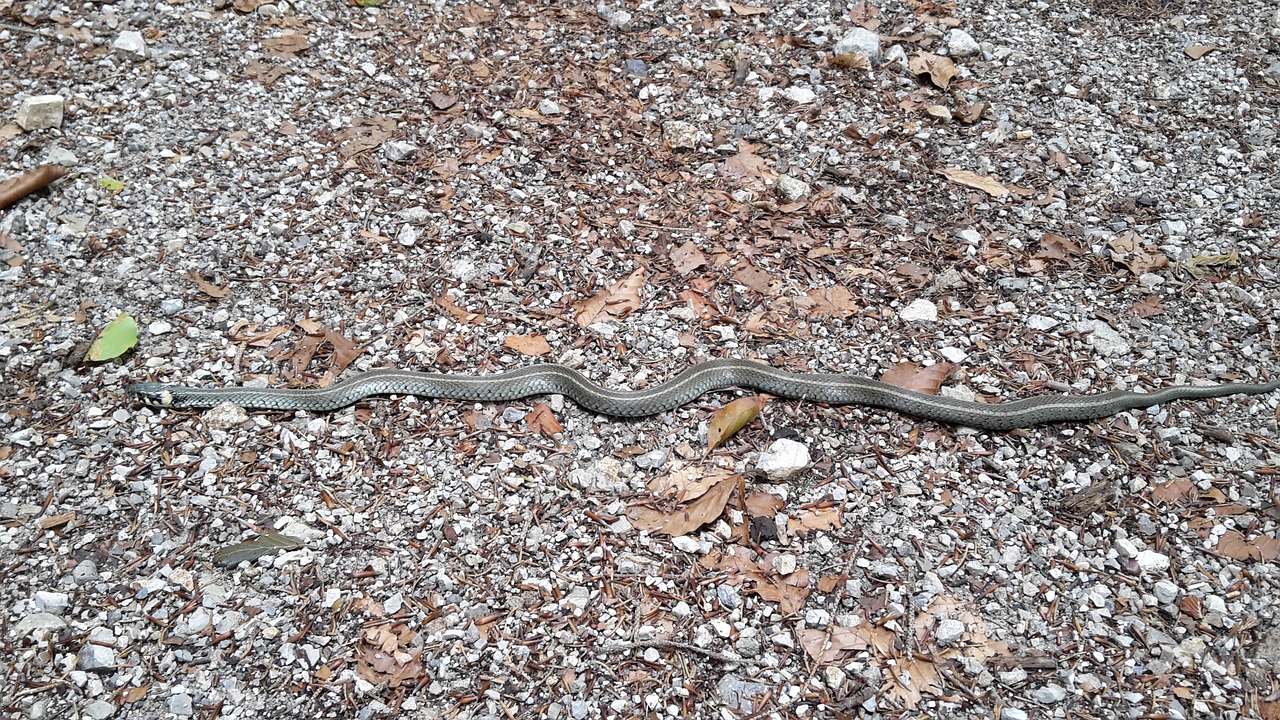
325, 186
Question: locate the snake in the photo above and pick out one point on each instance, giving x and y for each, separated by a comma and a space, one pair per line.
693, 382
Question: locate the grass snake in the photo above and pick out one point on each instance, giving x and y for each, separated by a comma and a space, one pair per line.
705, 377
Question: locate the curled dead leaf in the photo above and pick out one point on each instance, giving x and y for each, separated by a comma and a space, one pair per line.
910, 376
986, 184
941, 70
533, 345
733, 417
14, 189
687, 517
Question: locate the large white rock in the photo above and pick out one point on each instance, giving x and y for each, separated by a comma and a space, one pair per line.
783, 460
859, 40
41, 112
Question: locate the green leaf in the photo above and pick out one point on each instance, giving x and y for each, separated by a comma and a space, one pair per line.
114, 340
370, 3
250, 550
110, 184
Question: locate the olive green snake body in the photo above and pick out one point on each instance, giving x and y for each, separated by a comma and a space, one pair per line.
547, 379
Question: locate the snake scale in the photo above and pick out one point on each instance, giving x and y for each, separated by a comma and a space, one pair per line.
695, 381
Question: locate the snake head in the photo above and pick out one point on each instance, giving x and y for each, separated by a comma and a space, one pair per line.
151, 394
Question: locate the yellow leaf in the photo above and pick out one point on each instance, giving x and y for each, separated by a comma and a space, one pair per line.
733, 417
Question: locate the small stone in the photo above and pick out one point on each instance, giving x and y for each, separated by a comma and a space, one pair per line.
835, 677
728, 596
680, 135
1150, 561
171, 307
955, 355
36, 621
226, 416
1189, 651
159, 327
1089, 683
96, 657
1013, 713
1166, 592
884, 569
654, 459
1049, 694
685, 543
180, 704
919, 311
86, 571
961, 44
681, 610
783, 460
1104, 339
1041, 322
740, 695
1013, 677
859, 40
948, 632
41, 112
791, 189
547, 106
799, 95
99, 710
635, 68
129, 45
52, 602
784, 564
399, 151
817, 618
1125, 548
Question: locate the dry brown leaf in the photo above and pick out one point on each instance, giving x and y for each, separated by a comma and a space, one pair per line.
854, 60
908, 680
687, 258
533, 345
687, 483
1263, 548
1195, 52
763, 504
1131, 251
813, 520
365, 133
755, 279
747, 10
789, 592
686, 518
865, 14
134, 694
444, 302
827, 646
940, 69
478, 14
1174, 491
619, 300
246, 6
986, 184
383, 656
288, 46
1148, 307
265, 74
443, 101
344, 352
918, 275
910, 376
970, 113
32, 181
733, 417
746, 164
207, 288
541, 420
834, 301
1057, 247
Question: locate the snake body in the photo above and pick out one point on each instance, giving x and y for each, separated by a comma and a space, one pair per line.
695, 381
